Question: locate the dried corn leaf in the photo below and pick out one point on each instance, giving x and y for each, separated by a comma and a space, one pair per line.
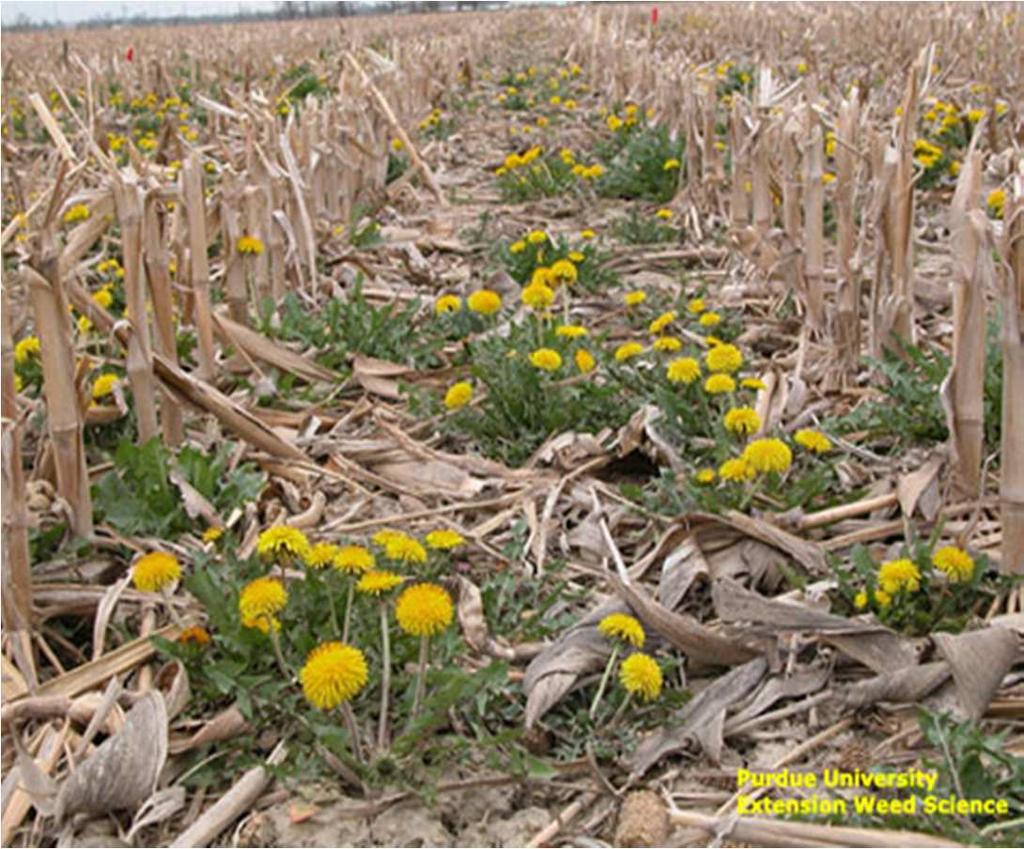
873, 645
979, 660
259, 347
904, 685
689, 636
124, 770
227, 724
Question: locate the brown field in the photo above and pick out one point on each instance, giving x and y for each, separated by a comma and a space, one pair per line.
500, 428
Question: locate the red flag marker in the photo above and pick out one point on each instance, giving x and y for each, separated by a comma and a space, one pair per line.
654, 16
130, 54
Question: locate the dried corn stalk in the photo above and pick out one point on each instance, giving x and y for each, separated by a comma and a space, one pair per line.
1012, 485
199, 266
963, 389
847, 328
63, 415
128, 198
814, 225
17, 577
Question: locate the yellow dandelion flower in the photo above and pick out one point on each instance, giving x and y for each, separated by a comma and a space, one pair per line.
321, 554
860, 601
423, 610
155, 571
641, 676
695, 306
683, 370
397, 145
104, 385
627, 351
956, 563
377, 583
753, 383
737, 470
484, 301
768, 455
333, 673
570, 331
882, 598
587, 234
458, 395
546, 359
517, 247
563, 272
538, 296
576, 257
536, 237
213, 533
405, 549
78, 212
633, 299
705, 476
444, 539
668, 344
742, 421
661, 322
724, 358
710, 319
540, 276
896, 575
719, 384
624, 627
103, 297
84, 324
584, 361
447, 303
352, 560
812, 440
663, 214
385, 534
249, 245
194, 634
282, 541
996, 201
26, 348
670, 165
260, 600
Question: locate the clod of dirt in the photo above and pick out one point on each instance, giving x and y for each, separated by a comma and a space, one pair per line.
327, 827
404, 825
643, 820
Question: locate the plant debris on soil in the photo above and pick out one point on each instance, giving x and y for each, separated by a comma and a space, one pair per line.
578, 425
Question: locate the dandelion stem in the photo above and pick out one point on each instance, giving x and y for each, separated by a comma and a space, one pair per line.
421, 676
348, 611
275, 641
604, 682
353, 731
385, 678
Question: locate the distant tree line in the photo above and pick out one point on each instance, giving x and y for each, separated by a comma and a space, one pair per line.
290, 10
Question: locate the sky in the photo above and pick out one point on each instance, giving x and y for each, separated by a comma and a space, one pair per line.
68, 12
